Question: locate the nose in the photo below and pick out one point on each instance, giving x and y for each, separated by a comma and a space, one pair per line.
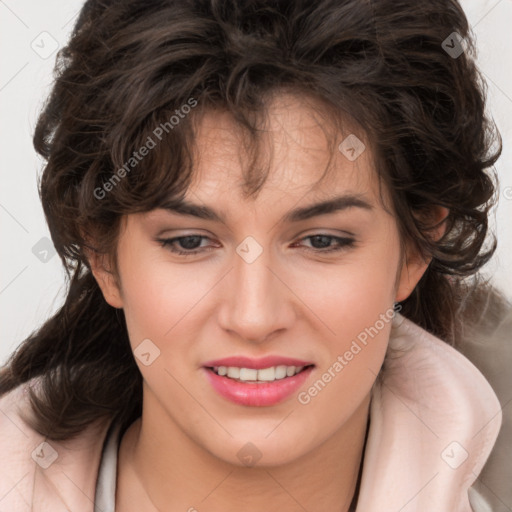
258, 303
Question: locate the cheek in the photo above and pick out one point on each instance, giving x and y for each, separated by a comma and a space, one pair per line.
353, 354
170, 305
157, 295
350, 295
355, 305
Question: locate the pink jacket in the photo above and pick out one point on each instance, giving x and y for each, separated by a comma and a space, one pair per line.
434, 422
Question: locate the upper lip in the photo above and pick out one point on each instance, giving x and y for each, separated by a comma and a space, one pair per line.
257, 364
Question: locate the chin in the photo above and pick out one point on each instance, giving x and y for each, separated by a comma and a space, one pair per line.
258, 451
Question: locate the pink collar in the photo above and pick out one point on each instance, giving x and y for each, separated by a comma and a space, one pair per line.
434, 421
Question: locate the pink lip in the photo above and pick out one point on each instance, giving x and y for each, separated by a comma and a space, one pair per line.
257, 395
257, 364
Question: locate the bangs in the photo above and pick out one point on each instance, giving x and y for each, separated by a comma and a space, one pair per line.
155, 162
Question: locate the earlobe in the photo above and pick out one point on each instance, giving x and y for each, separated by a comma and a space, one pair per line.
410, 274
105, 279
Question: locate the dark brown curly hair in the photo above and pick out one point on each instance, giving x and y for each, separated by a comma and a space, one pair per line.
131, 65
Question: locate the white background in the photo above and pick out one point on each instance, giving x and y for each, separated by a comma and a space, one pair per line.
30, 290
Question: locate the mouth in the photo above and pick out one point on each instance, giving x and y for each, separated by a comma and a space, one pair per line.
256, 383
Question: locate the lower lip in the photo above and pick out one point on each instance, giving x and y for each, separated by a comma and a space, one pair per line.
257, 395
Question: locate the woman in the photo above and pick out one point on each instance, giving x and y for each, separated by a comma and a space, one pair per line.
270, 214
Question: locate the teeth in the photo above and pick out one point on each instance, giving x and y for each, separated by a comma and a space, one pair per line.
248, 374
264, 375
233, 372
280, 372
267, 374
290, 370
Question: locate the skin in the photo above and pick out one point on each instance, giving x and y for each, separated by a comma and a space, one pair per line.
182, 453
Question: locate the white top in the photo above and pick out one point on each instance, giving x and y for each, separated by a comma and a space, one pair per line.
106, 483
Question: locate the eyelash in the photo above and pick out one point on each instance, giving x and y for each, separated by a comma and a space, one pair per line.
343, 243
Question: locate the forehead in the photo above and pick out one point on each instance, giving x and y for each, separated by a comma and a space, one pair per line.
296, 148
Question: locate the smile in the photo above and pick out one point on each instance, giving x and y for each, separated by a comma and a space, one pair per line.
257, 383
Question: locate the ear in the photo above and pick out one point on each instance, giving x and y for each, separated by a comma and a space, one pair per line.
414, 265
105, 278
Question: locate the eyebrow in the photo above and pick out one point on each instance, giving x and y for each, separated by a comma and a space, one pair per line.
339, 203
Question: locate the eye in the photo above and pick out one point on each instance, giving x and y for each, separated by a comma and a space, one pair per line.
322, 243
190, 243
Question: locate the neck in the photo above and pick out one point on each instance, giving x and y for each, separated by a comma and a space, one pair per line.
162, 470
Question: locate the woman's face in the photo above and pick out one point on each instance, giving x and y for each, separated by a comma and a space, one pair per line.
273, 278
